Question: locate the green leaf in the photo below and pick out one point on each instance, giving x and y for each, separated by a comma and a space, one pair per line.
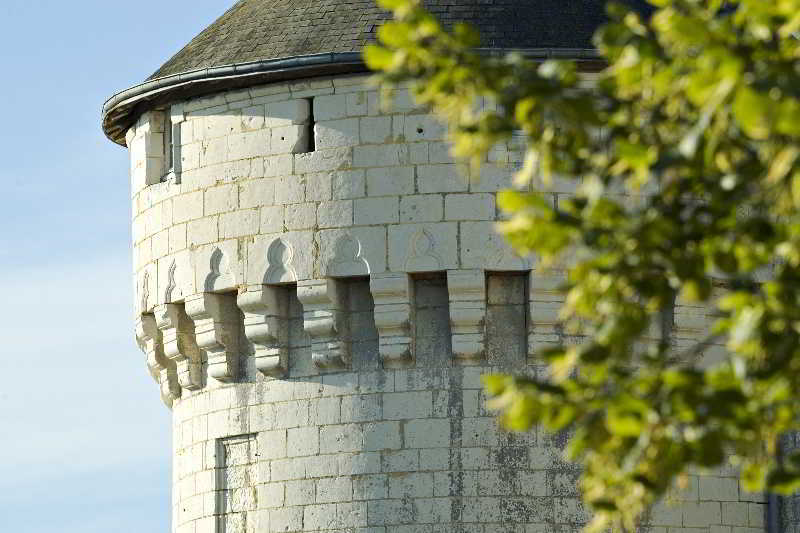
377, 57
755, 112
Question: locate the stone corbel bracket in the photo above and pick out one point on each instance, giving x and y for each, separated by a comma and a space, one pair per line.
216, 327
545, 302
180, 347
323, 322
266, 326
163, 371
392, 296
467, 294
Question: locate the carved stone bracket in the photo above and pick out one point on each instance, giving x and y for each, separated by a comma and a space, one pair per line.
467, 289
148, 336
216, 327
266, 325
322, 322
180, 347
392, 297
545, 303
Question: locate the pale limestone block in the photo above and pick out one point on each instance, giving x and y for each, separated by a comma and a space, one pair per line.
256, 193
545, 304
217, 267
336, 133
424, 128
735, 513
423, 247
719, 488
356, 103
390, 181
476, 206
483, 247
270, 90
270, 495
492, 179
287, 113
421, 208
383, 155
323, 160
756, 514
375, 130
320, 517
266, 326
311, 87
272, 219
250, 144
202, 231
440, 153
146, 288
289, 140
392, 299
175, 278
180, 347
285, 258
335, 214
330, 107
177, 238
290, 190
441, 178
205, 102
467, 296
299, 492
323, 322
407, 405
341, 438
357, 251
334, 489
418, 153
221, 199
427, 433
277, 165
302, 441
368, 211
666, 514
217, 324
398, 128
300, 216
701, 514
190, 156
253, 118
318, 186
348, 184
222, 124
149, 338
213, 151
160, 244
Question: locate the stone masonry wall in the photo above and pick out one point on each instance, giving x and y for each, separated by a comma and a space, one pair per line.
318, 290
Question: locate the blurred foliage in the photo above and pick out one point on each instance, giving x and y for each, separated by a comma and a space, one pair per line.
686, 164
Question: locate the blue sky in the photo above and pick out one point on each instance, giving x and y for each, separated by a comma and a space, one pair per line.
84, 438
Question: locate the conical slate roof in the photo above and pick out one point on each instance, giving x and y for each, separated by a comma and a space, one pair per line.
267, 29
260, 41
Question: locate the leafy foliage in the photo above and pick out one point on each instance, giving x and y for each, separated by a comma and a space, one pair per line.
685, 156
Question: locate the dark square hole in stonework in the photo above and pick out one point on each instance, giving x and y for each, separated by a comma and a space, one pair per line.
431, 320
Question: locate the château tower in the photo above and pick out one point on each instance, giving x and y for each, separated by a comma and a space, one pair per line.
319, 288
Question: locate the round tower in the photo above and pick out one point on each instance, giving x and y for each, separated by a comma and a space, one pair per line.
319, 287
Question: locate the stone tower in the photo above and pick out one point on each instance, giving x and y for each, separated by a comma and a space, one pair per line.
319, 288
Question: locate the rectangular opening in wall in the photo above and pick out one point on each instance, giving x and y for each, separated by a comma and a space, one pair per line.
507, 319
361, 335
431, 319
300, 363
310, 132
237, 477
